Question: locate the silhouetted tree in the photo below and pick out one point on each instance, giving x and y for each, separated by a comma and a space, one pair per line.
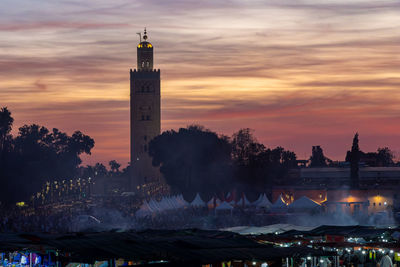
114, 165
6, 122
258, 168
317, 158
280, 161
353, 157
35, 156
385, 157
245, 147
97, 170
193, 159
100, 169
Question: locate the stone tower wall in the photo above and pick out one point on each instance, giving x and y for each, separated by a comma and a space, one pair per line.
145, 124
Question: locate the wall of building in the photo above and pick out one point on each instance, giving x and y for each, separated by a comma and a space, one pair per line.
145, 124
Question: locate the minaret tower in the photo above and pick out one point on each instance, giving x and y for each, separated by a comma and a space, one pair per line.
145, 114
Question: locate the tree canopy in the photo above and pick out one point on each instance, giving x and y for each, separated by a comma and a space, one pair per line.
383, 157
195, 159
318, 158
36, 155
192, 159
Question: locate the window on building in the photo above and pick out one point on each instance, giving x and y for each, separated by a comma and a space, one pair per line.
148, 64
145, 138
380, 204
147, 118
374, 204
142, 117
143, 64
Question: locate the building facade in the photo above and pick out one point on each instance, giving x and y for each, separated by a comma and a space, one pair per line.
145, 114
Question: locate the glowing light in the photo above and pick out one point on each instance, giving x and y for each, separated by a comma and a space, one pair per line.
20, 204
145, 45
24, 260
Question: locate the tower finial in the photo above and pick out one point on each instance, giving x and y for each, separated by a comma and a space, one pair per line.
145, 34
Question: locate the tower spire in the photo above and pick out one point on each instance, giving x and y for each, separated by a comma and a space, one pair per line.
145, 34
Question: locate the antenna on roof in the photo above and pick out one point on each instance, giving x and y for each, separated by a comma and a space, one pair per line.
140, 36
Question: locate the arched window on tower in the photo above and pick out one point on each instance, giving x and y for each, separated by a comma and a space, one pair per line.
143, 64
148, 64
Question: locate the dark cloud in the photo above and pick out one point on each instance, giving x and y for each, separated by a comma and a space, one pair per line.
41, 86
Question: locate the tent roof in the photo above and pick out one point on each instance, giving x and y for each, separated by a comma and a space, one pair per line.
197, 201
224, 206
279, 204
304, 203
264, 202
243, 200
211, 201
259, 199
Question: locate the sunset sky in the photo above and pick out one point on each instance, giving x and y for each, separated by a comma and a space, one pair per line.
298, 72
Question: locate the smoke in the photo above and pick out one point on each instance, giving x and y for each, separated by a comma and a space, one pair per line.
102, 219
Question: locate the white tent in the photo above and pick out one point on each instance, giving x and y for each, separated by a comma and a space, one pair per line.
304, 203
197, 202
279, 204
258, 199
243, 201
168, 203
210, 203
232, 202
264, 202
144, 210
154, 205
224, 206
182, 203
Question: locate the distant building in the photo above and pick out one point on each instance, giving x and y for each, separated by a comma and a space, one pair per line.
145, 115
378, 188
